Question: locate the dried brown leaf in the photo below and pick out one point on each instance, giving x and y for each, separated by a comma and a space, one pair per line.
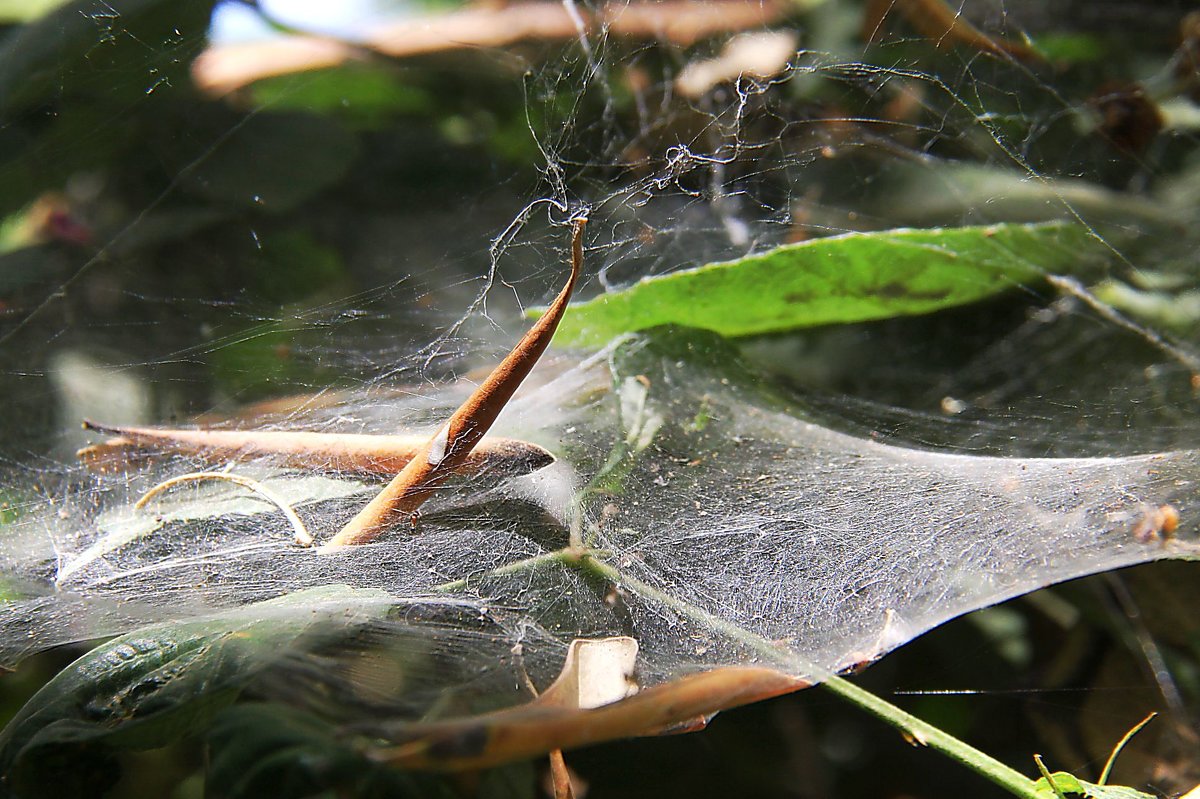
337, 452
450, 447
537, 728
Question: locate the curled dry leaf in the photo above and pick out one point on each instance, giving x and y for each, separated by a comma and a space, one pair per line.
681, 22
537, 727
450, 447
596, 673
336, 452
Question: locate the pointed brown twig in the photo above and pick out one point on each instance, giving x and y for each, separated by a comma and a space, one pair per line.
452, 445
335, 452
560, 776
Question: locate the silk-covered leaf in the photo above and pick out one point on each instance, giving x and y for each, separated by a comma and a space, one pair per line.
150, 687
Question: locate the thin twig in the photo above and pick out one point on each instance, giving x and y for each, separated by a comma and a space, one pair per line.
1112, 759
303, 538
569, 556
1070, 285
450, 447
356, 453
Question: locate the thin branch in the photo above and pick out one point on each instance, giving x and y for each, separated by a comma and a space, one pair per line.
339, 452
450, 447
303, 538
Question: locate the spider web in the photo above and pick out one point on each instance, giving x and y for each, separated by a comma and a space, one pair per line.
812, 500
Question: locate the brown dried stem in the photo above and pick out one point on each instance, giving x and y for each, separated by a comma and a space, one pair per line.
450, 448
336, 452
303, 538
944, 25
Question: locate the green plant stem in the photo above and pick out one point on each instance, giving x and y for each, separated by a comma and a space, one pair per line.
926, 734
568, 555
983, 764
1048, 777
1112, 759
768, 649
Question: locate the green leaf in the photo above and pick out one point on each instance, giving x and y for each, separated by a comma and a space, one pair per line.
119, 50
260, 749
292, 265
852, 278
84, 86
366, 96
268, 358
26, 10
153, 686
1072, 47
1074, 788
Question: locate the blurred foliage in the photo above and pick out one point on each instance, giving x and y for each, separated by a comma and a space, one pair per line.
149, 688
196, 240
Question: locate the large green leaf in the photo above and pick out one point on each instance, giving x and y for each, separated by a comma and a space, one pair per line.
852, 278
26, 10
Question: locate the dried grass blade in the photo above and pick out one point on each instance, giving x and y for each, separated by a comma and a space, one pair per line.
449, 449
303, 538
532, 729
337, 452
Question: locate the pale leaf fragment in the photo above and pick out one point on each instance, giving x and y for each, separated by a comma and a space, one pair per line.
755, 55
596, 673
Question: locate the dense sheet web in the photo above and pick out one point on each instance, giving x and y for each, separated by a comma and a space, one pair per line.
735, 529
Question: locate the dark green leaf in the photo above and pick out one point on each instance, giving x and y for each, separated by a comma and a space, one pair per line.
291, 265
275, 161
78, 85
363, 95
274, 750
153, 686
117, 49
